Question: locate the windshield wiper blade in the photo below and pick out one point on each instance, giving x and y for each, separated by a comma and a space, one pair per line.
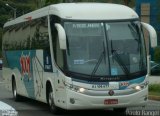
120, 62
99, 62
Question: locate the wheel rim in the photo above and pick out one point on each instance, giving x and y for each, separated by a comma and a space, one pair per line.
51, 102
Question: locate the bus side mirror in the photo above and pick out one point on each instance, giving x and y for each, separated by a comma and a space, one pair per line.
152, 34
61, 36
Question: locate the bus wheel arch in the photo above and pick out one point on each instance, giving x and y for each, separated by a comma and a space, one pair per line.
50, 98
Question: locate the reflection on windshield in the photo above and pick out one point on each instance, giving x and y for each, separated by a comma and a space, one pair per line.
124, 39
85, 46
121, 43
121, 62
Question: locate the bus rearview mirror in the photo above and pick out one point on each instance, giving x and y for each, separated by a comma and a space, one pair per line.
61, 36
152, 34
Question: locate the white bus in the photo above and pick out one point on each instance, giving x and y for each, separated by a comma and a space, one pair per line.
78, 56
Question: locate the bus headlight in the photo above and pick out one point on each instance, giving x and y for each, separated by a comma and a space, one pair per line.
78, 89
81, 90
141, 86
75, 88
138, 88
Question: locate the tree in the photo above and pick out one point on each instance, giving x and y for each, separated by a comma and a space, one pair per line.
48, 2
126, 2
22, 6
0, 42
3, 19
157, 54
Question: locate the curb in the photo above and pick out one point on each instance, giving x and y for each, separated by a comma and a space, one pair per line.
153, 97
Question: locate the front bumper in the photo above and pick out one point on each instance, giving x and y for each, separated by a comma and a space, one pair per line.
77, 101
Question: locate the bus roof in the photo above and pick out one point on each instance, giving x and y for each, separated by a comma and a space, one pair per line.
80, 11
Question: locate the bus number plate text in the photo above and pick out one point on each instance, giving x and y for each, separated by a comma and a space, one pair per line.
110, 101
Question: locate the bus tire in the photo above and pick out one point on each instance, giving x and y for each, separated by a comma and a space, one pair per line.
54, 109
14, 91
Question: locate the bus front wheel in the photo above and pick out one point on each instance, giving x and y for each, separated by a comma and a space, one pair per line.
54, 109
14, 91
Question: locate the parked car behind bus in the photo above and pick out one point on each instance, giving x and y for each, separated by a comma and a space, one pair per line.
155, 68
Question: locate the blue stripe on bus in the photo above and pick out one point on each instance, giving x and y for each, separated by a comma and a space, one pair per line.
130, 82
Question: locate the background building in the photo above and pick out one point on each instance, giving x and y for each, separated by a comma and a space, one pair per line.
149, 11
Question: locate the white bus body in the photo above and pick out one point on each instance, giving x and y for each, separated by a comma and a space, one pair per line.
78, 56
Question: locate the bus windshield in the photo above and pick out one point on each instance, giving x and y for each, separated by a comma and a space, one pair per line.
105, 49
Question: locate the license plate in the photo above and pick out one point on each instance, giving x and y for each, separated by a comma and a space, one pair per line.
110, 101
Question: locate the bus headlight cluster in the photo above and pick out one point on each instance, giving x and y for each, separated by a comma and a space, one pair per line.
81, 90
141, 86
78, 89
75, 88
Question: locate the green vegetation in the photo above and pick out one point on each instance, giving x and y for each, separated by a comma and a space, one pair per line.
157, 54
22, 7
154, 88
154, 93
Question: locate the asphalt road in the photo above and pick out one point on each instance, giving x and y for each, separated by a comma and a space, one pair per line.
29, 107
154, 79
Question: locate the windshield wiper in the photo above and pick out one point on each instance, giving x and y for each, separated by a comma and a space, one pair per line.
120, 62
99, 62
